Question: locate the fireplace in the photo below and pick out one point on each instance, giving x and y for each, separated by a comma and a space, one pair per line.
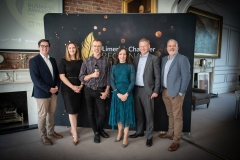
16, 92
13, 109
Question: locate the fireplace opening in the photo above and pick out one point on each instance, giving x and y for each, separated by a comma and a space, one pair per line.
13, 110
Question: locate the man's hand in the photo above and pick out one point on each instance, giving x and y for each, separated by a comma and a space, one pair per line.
95, 74
103, 95
54, 90
154, 95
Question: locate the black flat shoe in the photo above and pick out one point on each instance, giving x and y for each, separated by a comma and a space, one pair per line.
149, 143
136, 135
103, 134
96, 137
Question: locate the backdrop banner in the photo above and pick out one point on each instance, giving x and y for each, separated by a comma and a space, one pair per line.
122, 30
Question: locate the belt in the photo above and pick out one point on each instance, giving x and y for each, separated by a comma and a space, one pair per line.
139, 86
73, 77
96, 88
164, 88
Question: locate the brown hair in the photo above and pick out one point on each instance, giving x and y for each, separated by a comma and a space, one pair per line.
77, 54
44, 40
128, 59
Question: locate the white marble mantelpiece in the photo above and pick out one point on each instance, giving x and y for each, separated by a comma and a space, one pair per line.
202, 69
14, 76
16, 80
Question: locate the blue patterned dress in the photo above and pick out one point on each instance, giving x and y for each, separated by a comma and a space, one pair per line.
122, 79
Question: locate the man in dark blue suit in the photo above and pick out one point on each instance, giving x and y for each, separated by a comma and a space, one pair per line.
46, 81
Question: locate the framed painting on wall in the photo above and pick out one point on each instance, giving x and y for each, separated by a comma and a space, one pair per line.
208, 36
139, 6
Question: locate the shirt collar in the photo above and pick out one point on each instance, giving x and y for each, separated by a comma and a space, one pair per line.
44, 56
96, 58
145, 56
172, 57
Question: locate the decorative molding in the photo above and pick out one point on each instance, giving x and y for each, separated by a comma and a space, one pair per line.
15, 76
184, 5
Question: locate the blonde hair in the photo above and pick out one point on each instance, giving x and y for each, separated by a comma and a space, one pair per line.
144, 40
77, 54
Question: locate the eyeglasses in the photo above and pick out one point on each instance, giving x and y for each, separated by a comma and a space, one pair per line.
42, 46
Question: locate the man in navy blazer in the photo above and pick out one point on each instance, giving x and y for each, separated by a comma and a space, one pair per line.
46, 81
175, 77
146, 88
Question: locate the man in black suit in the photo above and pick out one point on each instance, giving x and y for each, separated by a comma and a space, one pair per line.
46, 81
146, 89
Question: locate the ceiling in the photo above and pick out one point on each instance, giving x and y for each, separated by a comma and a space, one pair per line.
231, 4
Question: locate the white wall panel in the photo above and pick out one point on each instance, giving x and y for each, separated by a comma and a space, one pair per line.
232, 77
233, 48
224, 48
220, 78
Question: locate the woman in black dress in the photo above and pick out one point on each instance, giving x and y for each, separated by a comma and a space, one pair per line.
69, 69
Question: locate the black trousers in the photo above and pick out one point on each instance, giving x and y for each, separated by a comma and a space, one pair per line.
92, 97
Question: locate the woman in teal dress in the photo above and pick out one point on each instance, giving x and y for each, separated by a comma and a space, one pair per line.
122, 79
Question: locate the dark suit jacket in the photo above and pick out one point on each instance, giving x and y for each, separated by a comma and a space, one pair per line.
178, 75
151, 75
42, 78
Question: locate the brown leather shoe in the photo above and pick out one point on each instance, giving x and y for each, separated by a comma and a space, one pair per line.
46, 141
174, 146
165, 136
55, 135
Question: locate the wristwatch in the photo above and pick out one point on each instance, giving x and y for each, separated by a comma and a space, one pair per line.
1, 58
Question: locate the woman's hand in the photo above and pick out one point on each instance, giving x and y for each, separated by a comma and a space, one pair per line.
123, 97
75, 89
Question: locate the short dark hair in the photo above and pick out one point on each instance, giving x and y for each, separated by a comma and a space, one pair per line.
128, 59
96, 40
44, 40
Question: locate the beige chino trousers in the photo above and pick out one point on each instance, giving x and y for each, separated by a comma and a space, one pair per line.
174, 111
46, 111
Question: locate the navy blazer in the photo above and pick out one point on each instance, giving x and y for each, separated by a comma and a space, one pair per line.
42, 78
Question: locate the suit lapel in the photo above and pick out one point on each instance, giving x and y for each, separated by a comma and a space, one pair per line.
149, 59
164, 64
174, 61
137, 60
52, 67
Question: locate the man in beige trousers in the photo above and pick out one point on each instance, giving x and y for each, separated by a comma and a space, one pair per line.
46, 81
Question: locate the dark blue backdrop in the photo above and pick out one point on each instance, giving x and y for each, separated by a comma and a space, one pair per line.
118, 30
